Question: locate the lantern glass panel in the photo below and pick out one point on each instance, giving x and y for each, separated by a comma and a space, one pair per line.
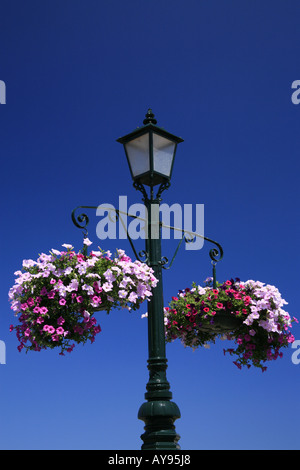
138, 155
163, 154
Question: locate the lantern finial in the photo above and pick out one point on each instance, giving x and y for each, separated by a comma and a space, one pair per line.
149, 117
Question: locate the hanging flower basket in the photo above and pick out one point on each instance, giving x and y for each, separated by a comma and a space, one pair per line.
249, 313
55, 297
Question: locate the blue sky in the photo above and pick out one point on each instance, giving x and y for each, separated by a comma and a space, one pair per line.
79, 74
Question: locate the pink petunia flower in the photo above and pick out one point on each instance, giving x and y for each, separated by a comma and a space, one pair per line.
49, 329
43, 310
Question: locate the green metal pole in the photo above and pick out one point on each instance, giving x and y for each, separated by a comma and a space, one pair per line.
159, 412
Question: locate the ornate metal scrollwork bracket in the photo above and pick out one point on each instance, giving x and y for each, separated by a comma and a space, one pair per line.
82, 220
139, 187
216, 253
162, 188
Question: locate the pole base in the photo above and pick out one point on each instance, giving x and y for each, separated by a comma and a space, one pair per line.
159, 417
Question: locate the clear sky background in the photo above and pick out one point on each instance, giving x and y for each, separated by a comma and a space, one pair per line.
79, 74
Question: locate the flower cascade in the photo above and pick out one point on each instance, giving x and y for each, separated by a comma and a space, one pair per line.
263, 328
55, 297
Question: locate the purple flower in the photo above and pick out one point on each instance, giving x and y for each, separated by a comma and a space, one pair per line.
122, 294
132, 297
141, 289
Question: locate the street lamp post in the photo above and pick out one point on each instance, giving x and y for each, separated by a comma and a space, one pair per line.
150, 152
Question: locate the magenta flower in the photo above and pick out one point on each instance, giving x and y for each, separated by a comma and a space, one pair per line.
49, 329
291, 338
97, 286
62, 302
43, 310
